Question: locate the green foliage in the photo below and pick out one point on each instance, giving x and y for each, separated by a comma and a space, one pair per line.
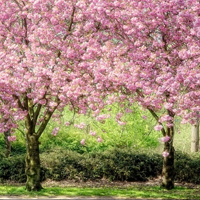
113, 164
137, 133
13, 168
121, 155
187, 167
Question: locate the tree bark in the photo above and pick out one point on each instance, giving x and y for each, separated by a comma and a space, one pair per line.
168, 162
195, 138
7, 143
32, 163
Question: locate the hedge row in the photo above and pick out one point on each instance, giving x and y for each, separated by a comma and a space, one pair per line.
116, 164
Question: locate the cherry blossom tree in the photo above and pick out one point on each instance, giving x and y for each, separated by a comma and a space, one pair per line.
154, 60
48, 54
76, 52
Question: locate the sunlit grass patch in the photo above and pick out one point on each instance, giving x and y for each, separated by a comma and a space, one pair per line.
130, 192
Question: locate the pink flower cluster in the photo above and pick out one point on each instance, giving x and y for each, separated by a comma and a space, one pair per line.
102, 117
55, 131
144, 117
80, 126
165, 154
164, 139
99, 139
67, 123
128, 110
93, 133
158, 127
121, 123
12, 138
82, 141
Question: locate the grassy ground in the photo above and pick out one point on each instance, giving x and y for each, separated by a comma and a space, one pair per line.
131, 192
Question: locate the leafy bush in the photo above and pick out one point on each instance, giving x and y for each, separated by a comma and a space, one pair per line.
114, 164
187, 167
13, 168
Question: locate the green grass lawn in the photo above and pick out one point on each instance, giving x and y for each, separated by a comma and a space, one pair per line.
130, 192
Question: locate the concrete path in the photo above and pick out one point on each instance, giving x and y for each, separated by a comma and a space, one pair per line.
69, 198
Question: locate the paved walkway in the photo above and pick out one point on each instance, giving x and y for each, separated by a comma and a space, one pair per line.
69, 198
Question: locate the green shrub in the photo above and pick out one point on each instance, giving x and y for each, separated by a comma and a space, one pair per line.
13, 168
187, 167
113, 164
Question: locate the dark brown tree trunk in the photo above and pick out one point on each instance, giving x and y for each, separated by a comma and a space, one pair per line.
7, 143
168, 171
168, 162
32, 168
32, 163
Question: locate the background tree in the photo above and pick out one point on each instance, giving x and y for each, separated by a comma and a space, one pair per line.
195, 137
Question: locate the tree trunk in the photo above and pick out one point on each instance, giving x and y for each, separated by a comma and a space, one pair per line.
7, 143
168, 162
32, 163
195, 138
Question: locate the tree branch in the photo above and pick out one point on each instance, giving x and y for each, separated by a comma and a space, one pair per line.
19, 102
45, 122
157, 119
71, 22
153, 114
47, 117
18, 4
36, 114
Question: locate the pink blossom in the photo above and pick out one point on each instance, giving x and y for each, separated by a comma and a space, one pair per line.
164, 139
102, 117
168, 106
165, 154
99, 139
165, 118
158, 127
119, 115
144, 117
93, 133
80, 126
121, 123
55, 131
83, 142
169, 125
42, 102
12, 138
127, 110
67, 123
53, 104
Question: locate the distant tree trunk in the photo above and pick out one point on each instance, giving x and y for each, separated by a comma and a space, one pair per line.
168, 162
7, 143
32, 163
195, 137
